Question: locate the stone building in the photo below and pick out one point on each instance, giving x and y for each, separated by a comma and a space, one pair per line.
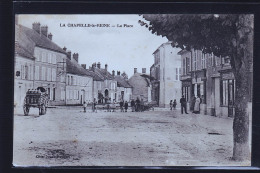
141, 85
124, 89
165, 75
47, 70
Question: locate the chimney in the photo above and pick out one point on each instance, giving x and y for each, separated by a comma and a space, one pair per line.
113, 73
50, 36
84, 66
143, 70
118, 73
36, 26
69, 54
64, 48
76, 56
106, 67
44, 30
135, 70
98, 65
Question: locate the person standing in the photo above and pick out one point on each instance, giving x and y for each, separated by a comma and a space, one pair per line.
133, 105
94, 105
183, 104
171, 105
121, 105
142, 105
126, 106
197, 105
137, 105
84, 106
174, 104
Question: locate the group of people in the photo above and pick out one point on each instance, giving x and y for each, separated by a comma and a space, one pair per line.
136, 105
195, 104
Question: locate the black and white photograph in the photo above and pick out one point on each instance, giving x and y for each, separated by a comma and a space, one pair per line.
133, 89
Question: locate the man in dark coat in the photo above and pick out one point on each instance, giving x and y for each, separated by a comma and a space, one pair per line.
137, 105
121, 105
133, 105
126, 106
183, 104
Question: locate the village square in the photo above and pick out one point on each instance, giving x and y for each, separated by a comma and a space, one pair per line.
177, 112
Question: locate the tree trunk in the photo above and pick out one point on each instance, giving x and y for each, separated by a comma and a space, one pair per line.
243, 64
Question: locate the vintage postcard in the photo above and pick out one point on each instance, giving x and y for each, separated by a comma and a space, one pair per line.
133, 90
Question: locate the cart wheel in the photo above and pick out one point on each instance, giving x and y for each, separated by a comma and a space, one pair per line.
26, 110
43, 110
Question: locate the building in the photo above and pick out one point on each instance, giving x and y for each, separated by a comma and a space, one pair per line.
79, 82
106, 87
49, 64
165, 75
141, 85
124, 89
211, 78
24, 66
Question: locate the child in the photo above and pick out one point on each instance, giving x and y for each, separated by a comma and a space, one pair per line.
171, 105
84, 106
174, 104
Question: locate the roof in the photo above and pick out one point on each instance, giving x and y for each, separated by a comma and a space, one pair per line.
24, 46
103, 73
74, 68
38, 39
169, 42
182, 52
122, 82
146, 77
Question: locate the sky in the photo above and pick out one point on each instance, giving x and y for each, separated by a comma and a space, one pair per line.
122, 48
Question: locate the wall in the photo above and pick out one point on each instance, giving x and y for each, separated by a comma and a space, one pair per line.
139, 87
170, 86
22, 83
79, 89
54, 80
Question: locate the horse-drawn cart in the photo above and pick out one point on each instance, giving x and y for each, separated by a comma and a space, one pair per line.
37, 99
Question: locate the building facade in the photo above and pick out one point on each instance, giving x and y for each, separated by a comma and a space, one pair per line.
165, 75
211, 78
141, 85
123, 89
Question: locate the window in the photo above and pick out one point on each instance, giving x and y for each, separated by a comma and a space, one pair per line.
113, 86
49, 57
53, 74
184, 67
26, 72
203, 61
43, 57
37, 72
37, 55
187, 64
68, 82
43, 73
54, 61
227, 89
186, 92
49, 74
71, 80
195, 60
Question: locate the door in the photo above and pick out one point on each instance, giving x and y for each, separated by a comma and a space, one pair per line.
231, 98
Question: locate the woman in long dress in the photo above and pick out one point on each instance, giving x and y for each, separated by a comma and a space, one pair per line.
197, 106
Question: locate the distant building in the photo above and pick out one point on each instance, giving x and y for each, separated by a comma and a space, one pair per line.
124, 89
106, 89
141, 85
165, 75
79, 83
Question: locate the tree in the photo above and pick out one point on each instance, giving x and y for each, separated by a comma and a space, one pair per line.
224, 35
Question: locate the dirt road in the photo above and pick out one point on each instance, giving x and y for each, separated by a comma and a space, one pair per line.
66, 136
